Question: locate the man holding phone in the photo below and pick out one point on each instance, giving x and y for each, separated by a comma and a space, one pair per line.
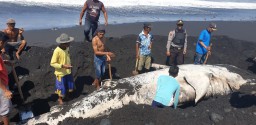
62, 64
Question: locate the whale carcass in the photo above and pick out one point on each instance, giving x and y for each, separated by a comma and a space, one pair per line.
196, 82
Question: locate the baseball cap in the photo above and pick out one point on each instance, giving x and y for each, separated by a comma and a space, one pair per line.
213, 26
180, 22
147, 25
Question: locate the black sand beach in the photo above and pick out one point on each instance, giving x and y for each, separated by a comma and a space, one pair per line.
234, 43
241, 30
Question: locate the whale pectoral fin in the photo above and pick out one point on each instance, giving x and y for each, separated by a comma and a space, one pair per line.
200, 82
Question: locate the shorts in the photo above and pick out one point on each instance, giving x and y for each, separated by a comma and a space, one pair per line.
100, 64
63, 84
10, 47
5, 104
145, 61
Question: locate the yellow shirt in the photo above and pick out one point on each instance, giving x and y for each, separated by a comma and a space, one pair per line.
60, 57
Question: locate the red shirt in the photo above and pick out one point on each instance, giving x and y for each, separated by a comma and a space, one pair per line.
3, 72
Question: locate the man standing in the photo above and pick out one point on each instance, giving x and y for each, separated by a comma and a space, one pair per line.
203, 44
176, 45
62, 64
100, 55
13, 44
168, 89
5, 94
93, 8
143, 48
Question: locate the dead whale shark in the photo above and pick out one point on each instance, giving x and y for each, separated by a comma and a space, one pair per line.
196, 82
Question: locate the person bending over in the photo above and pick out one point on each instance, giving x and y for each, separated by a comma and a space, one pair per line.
168, 89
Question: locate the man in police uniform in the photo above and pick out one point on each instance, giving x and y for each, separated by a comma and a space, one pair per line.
176, 45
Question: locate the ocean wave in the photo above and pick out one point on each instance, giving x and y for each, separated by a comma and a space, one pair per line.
119, 3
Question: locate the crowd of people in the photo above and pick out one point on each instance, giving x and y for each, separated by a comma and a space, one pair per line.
11, 39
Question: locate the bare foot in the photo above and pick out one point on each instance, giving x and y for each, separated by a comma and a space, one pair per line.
94, 82
60, 101
97, 84
18, 56
98, 87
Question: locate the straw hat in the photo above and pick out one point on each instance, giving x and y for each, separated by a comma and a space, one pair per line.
10, 21
64, 38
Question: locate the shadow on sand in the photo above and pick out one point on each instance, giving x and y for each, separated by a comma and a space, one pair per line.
80, 82
252, 67
240, 100
113, 72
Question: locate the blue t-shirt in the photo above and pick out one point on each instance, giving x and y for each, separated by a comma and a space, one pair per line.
145, 42
205, 36
167, 86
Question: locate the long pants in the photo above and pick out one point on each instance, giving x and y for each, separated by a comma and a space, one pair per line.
156, 104
88, 26
99, 64
145, 62
176, 58
199, 58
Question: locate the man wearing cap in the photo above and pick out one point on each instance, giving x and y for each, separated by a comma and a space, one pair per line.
176, 45
93, 8
62, 64
101, 55
5, 93
143, 48
203, 44
13, 44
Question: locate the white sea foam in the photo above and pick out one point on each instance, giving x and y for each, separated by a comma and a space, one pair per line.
165, 3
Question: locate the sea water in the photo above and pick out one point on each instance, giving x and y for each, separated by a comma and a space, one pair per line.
44, 14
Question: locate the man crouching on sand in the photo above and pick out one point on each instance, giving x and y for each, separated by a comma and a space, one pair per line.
62, 64
168, 89
13, 43
5, 94
100, 55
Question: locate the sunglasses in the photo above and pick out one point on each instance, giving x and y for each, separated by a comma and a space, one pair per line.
180, 25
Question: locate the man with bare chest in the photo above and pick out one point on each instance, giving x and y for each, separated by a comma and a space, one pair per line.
16, 42
100, 55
